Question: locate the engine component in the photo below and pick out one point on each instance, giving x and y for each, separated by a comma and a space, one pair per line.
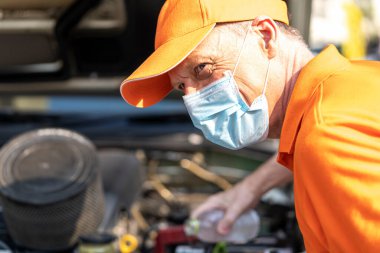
50, 188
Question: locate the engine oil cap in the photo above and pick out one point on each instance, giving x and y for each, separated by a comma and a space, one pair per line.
97, 238
97, 243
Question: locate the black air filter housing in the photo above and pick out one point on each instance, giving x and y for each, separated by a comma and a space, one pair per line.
50, 188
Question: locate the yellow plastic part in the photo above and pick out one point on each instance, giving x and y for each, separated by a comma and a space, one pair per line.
128, 243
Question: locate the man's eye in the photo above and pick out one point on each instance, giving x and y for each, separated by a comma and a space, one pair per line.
203, 70
181, 86
200, 67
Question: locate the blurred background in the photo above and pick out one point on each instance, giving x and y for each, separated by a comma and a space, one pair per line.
353, 26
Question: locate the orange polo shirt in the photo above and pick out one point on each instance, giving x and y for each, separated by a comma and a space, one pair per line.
331, 141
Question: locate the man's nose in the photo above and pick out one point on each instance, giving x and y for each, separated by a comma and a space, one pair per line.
189, 87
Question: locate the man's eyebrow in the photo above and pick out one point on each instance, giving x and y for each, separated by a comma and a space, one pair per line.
196, 56
182, 76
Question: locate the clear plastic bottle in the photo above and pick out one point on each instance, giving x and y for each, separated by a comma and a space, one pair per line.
245, 228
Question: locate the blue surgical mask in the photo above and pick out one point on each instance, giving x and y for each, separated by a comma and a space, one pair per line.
224, 117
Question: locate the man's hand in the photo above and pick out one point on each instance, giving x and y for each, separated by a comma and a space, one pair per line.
233, 201
246, 194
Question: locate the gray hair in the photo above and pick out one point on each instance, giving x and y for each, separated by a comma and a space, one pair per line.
240, 28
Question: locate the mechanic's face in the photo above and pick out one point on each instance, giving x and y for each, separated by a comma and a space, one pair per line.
216, 54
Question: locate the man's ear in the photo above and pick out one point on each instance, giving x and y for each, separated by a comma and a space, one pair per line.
268, 30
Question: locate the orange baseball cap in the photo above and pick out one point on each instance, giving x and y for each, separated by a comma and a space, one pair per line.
181, 27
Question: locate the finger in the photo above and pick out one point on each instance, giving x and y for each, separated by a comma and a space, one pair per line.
204, 208
229, 218
208, 205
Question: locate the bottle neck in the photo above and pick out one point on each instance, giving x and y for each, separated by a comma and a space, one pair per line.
192, 227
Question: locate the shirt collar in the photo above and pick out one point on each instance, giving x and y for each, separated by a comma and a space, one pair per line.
320, 67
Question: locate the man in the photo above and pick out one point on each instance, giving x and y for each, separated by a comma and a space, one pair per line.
247, 76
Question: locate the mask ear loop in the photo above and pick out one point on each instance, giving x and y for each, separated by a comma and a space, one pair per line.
241, 50
238, 59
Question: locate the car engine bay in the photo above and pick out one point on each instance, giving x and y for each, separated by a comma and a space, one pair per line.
150, 184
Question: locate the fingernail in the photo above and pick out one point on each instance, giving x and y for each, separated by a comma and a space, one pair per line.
223, 229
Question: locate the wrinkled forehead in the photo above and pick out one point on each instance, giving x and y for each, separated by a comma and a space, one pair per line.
220, 41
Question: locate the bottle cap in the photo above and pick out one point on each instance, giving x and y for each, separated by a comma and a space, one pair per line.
97, 238
191, 227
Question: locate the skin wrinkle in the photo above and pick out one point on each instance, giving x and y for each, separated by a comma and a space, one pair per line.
247, 91
221, 49
186, 68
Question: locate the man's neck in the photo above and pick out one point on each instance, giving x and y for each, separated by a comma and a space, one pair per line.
295, 58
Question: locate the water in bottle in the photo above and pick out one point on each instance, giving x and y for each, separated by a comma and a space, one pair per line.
245, 228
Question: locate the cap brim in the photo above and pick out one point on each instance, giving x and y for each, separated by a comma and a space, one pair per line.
150, 83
